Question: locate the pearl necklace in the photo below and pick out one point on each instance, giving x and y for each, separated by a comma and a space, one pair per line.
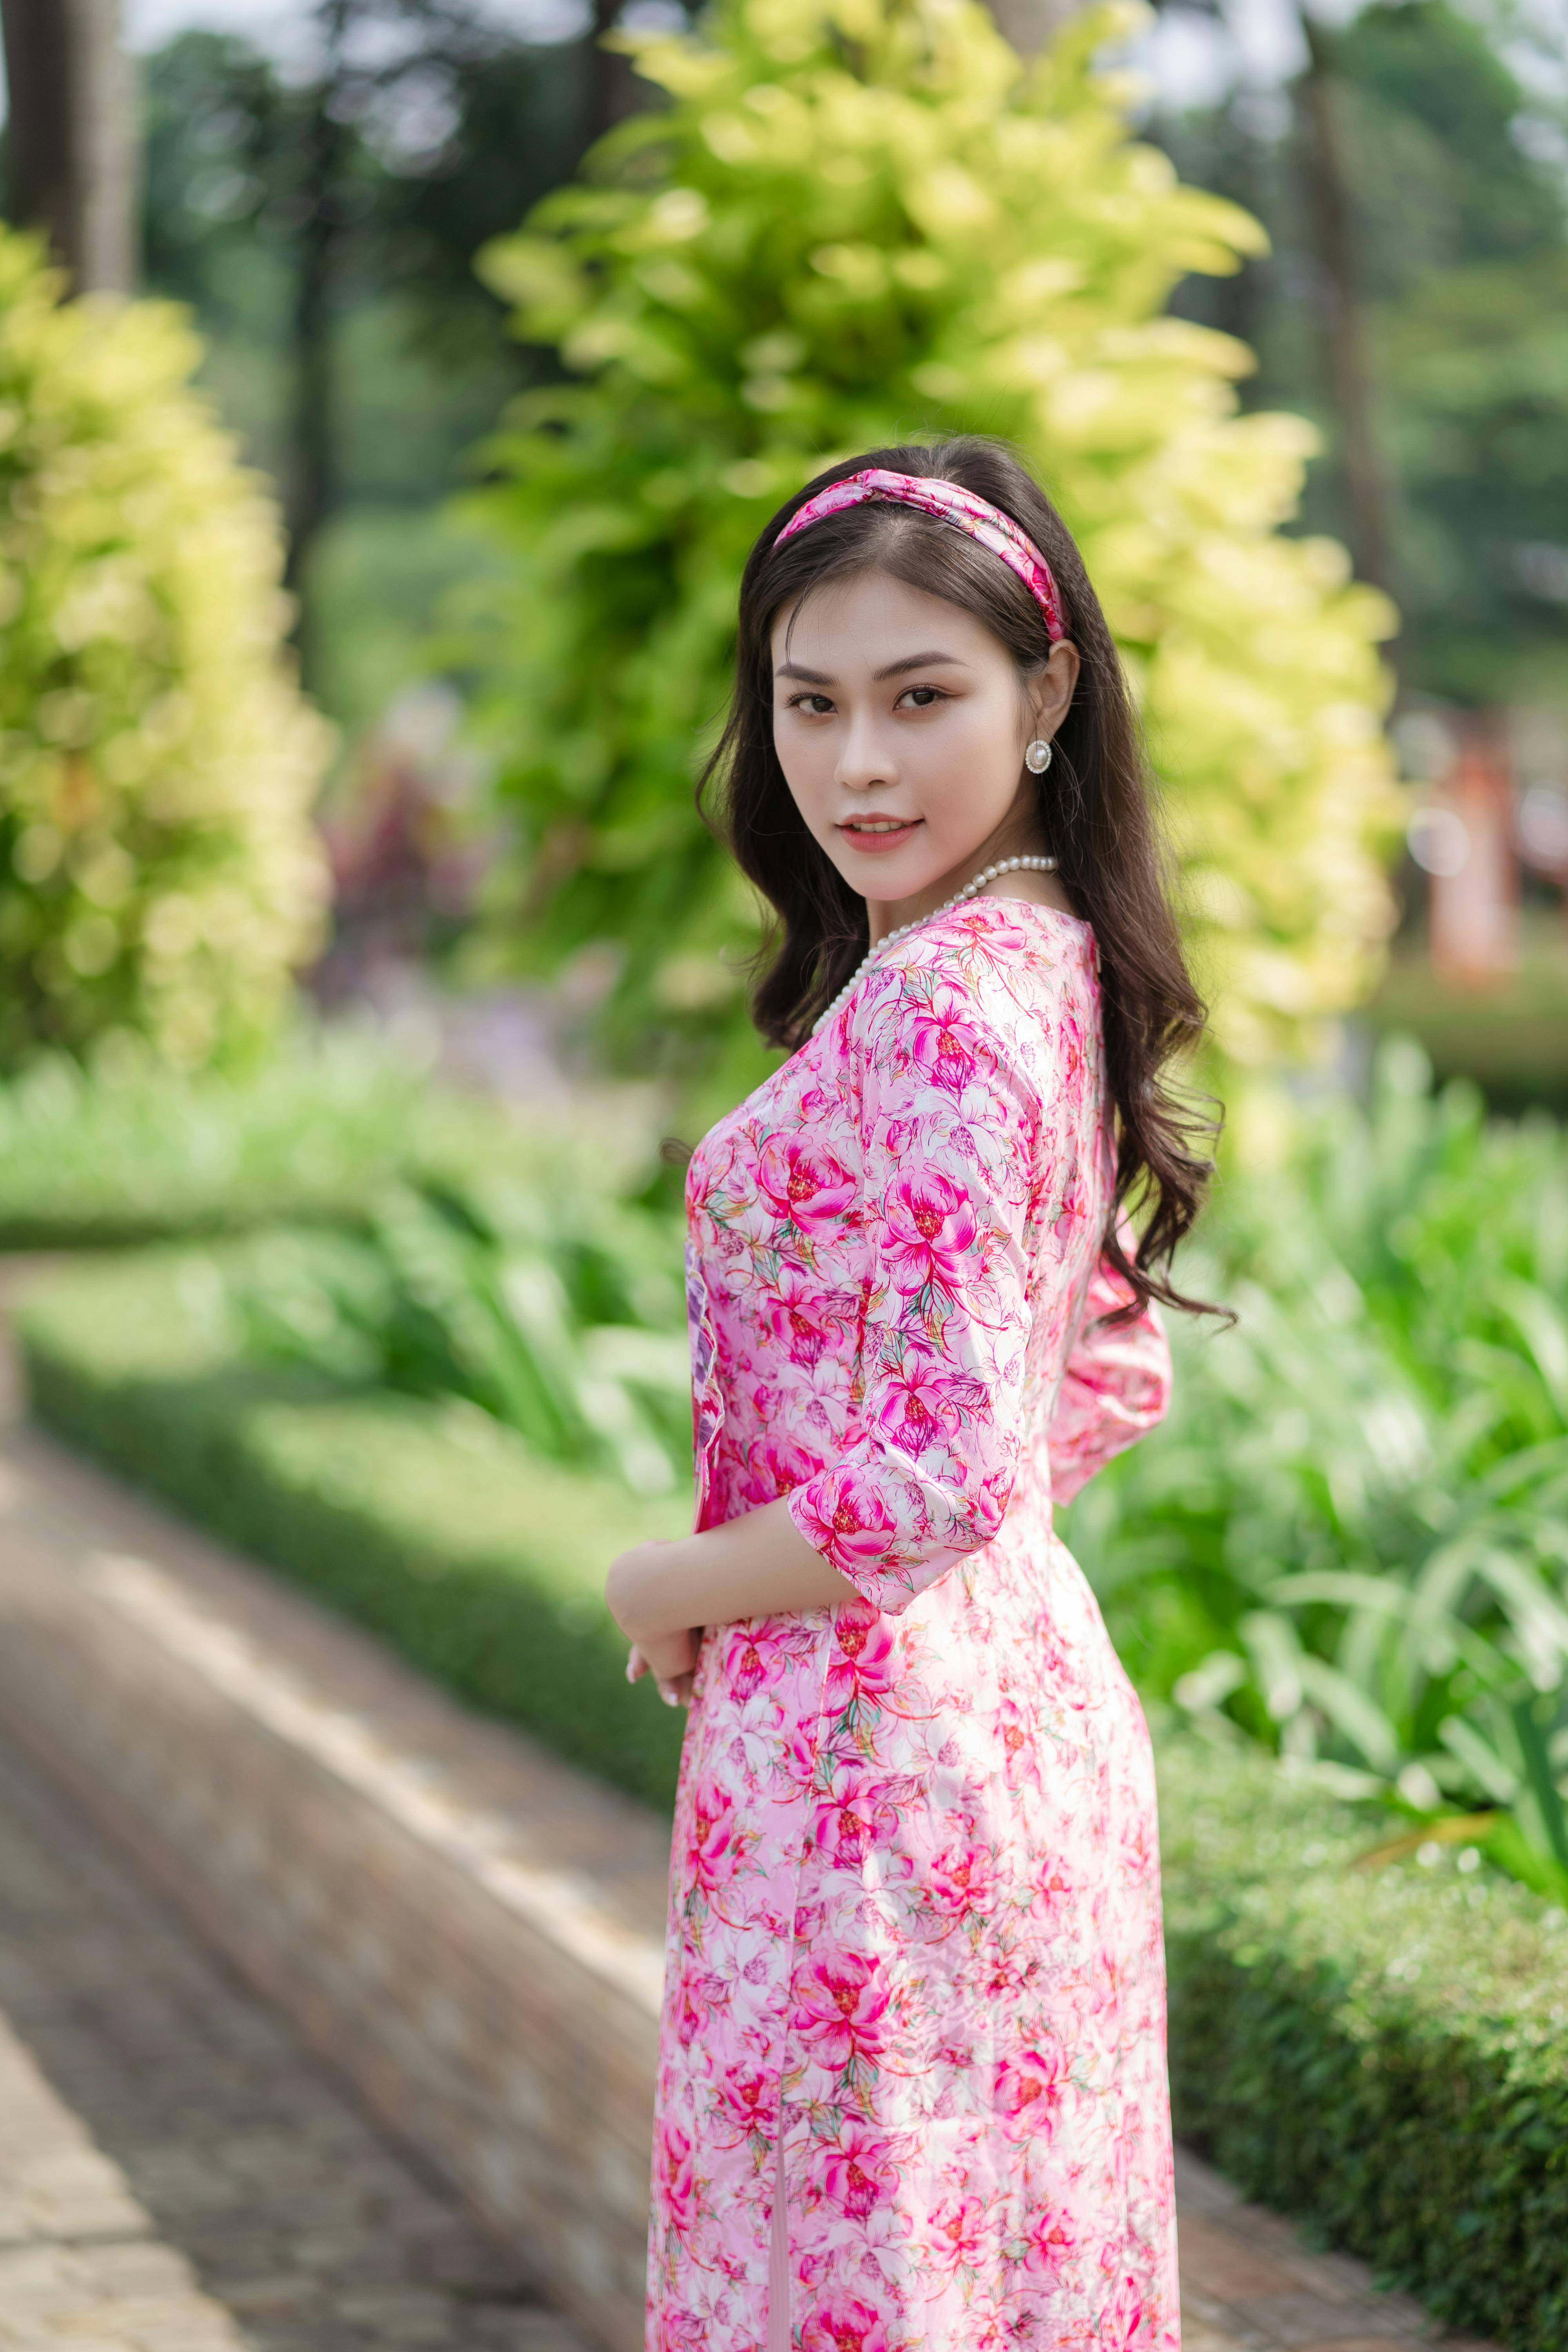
970, 890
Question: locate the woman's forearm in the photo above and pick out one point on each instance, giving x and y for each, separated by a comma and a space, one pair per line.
750, 1567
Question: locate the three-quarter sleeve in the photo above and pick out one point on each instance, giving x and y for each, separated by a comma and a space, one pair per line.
1117, 1383
955, 1180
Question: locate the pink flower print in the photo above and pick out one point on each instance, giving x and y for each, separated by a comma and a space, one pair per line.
918, 1406
778, 1465
691, 2011
929, 1229
750, 2099
863, 1664
721, 1182
850, 1524
946, 1049
962, 1880
682, 2331
803, 1316
958, 2232
860, 1815
710, 1854
802, 1183
1053, 1894
745, 1670
1020, 1760
844, 2324
1052, 2243
858, 2171
1122, 2325
841, 2000
675, 2181
1028, 2092
797, 1764
972, 1981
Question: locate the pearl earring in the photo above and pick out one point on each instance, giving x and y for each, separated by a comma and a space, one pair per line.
1037, 758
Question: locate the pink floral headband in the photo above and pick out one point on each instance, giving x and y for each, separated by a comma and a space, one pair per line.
948, 503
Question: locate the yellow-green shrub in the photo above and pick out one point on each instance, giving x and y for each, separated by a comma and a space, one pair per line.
158, 873
857, 219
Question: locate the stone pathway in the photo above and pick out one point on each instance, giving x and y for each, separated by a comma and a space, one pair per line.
175, 2175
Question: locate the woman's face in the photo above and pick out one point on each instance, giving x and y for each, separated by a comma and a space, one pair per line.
900, 728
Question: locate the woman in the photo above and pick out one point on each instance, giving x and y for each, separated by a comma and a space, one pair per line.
912, 2088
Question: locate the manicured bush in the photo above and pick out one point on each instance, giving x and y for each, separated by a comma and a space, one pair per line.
857, 222
1382, 2051
159, 875
425, 1521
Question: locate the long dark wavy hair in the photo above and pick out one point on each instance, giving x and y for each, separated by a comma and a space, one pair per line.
1096, 813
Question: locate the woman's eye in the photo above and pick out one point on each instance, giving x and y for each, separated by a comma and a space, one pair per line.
817, 704
923, 697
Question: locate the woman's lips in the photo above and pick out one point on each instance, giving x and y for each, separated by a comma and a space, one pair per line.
881, 836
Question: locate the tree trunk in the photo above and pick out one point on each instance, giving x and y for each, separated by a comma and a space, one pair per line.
1368, 481
72, 137
614, 90
1029, 25
309, 487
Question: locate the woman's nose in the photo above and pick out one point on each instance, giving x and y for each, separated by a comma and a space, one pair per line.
865, 759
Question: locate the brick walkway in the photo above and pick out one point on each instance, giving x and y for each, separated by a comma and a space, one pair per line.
174, 2175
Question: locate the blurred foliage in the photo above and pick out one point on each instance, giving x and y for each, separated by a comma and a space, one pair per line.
850, 223
1463, 235
143, 1151
556, 1307
1351, 1535
447, 127
158, 873
318, 1132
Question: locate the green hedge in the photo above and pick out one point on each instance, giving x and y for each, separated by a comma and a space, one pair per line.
1384, 2052
428, 1522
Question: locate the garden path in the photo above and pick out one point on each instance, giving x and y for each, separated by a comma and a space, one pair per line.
178, 2175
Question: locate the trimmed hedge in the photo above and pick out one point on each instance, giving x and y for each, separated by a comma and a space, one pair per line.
428, 1522
1384, 2053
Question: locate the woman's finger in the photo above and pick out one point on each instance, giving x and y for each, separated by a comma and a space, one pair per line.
636, 1665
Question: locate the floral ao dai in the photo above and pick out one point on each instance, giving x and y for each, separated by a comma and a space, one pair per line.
914, 1920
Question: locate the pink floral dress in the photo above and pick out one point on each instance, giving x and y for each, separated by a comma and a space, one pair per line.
915, 1979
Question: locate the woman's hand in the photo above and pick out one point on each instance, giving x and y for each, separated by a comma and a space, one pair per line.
670, 1659
634, 1591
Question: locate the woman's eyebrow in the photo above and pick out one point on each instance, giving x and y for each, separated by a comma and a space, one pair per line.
919, 661
891, 669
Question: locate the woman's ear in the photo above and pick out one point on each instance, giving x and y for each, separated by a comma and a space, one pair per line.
1051, 688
